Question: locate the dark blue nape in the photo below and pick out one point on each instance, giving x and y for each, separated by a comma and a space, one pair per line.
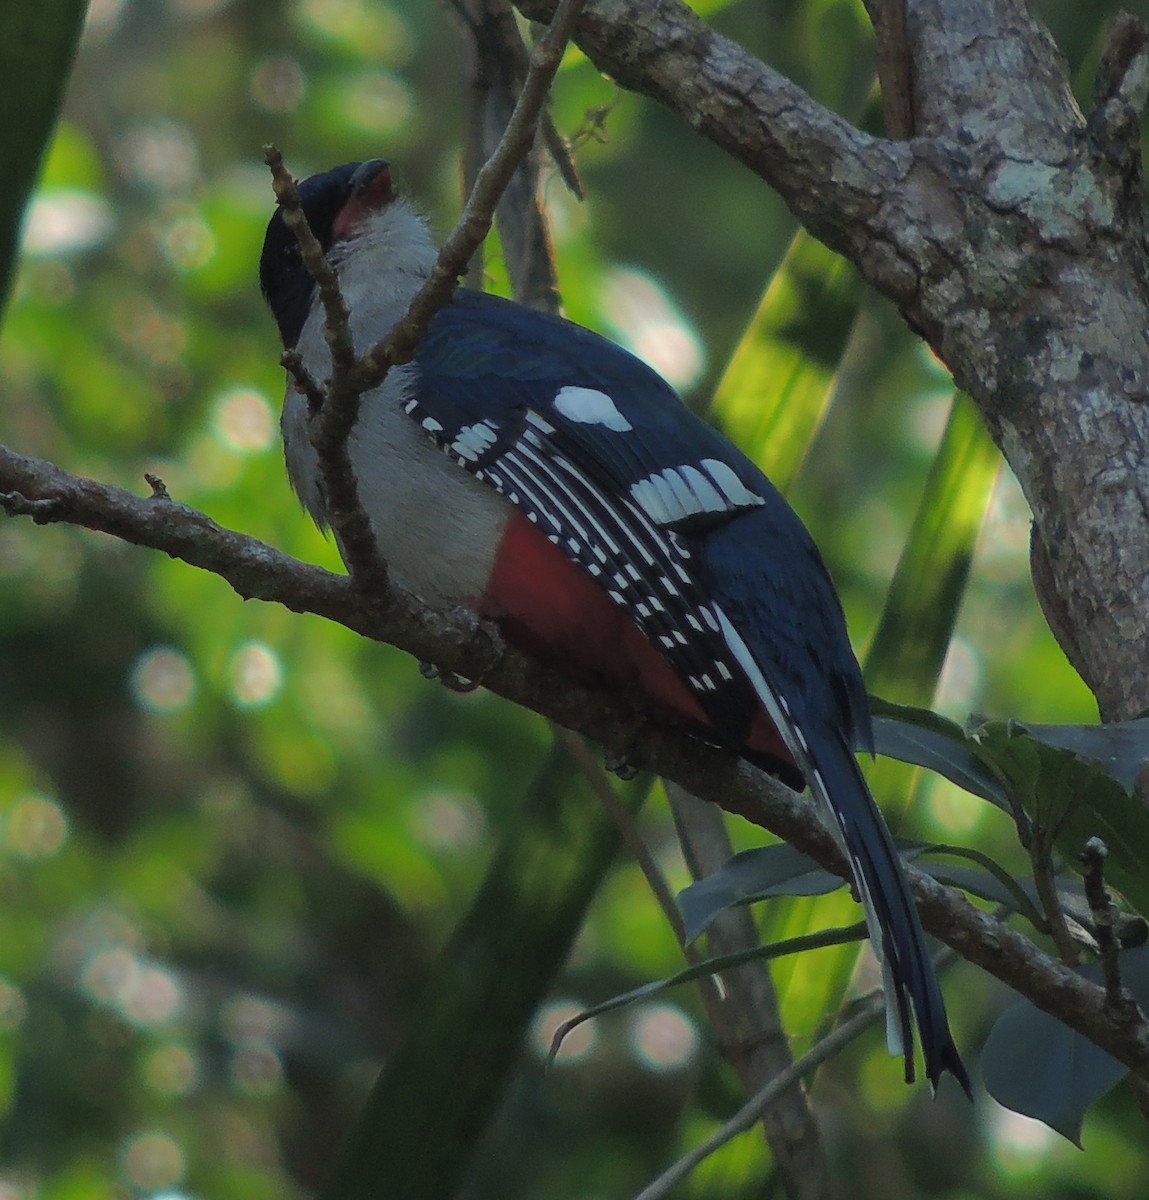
286, 284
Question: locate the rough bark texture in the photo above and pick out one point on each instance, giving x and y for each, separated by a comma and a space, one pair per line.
1009, 231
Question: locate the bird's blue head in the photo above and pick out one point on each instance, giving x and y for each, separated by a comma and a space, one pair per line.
334, 203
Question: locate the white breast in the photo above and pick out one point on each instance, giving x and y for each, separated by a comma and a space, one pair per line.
437, 527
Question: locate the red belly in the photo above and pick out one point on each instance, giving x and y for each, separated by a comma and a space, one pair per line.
549, 606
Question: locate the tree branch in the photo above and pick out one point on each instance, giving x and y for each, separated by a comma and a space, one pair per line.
459, 643
335, 408
870, 1013
1007, 231
746, 1014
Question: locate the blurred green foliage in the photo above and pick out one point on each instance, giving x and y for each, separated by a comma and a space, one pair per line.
233, 840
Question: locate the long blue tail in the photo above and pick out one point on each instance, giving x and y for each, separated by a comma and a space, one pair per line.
912, 991
778, 613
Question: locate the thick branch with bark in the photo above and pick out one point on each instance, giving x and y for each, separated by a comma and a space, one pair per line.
1009, 230
458, 643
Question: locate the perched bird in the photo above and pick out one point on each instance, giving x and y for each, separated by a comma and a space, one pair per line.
544, 477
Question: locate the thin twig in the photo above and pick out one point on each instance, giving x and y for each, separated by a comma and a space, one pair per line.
336, 313
1093, 855
498, 63
398, 346
292, 362
333, 408
587, 763
1040, 857
895, 66
871, 1012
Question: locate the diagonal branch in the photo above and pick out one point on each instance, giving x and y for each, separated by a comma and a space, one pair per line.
834, 177
869, 1013
32, 487
336, 414
478, 213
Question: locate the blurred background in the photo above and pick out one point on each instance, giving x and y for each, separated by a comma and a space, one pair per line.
233, 840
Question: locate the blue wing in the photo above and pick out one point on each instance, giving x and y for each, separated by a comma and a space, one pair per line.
686, 533
487, 358
536, 405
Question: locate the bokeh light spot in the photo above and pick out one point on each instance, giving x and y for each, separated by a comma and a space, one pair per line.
152, 1160
255, 675
650, 325
153, 998
256, 1070
1022, 1145
243, 420
577, 1044
65, 220
960, 679
162, 680
161, 154
187, 242
246, 1019
171, 1070
277, 85
378, 102
110, 973
955, 810
663, 1038
36, 827
445, 821
13, 1006
377, 32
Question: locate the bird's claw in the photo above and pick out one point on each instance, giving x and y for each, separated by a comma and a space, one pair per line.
451, 681
618, 764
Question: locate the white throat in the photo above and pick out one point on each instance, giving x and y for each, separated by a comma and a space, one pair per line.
380, 267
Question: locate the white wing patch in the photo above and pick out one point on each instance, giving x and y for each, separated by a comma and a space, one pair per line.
587, 406
642, 565
473, 441
677, 493
737, 494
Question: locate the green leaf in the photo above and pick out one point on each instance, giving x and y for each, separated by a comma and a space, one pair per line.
909, 647
1034, 1065
774, 391
756, 874
765, 872
1121, 748
1073, 799
1069, 779
926, 739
